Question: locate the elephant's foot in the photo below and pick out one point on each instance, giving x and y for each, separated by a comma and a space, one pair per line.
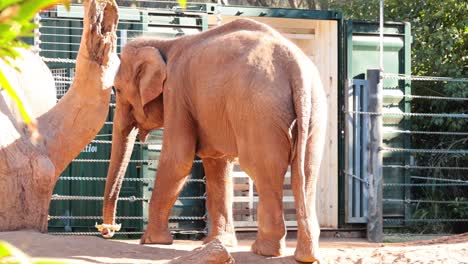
163, 237
268, 248
227, 238
307, 255
307, 250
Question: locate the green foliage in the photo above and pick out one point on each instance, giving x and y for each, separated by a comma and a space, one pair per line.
439, 30
15, 22
183, 3
11, 255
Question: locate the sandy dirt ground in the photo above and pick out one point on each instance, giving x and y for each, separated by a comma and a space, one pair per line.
81, 249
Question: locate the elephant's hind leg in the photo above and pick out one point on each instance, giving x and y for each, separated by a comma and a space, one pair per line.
267, 164
307, 249
219, 200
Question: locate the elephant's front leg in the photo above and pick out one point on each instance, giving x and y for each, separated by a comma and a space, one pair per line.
219, 200
174, 166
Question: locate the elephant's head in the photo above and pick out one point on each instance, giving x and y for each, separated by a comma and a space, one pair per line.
139, 88
139, 107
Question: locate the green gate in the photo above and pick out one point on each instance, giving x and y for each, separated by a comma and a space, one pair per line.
362, 53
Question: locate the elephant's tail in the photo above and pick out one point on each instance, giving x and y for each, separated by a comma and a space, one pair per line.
308, 98
301, 90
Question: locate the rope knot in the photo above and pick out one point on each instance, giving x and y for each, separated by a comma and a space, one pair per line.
109, 227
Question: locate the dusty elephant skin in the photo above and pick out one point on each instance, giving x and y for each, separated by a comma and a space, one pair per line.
237, 91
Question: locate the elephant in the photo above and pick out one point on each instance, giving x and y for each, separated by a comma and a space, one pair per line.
238, 92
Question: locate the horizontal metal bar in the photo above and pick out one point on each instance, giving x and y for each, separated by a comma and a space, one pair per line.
357, 178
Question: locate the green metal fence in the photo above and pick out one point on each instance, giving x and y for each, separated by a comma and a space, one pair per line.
77, 201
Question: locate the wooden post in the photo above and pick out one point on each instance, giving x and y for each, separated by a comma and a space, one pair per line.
374, 168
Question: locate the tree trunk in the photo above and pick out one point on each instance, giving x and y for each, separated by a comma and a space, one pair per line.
28, 172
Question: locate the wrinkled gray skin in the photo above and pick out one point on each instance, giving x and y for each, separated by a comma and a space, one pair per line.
239, 91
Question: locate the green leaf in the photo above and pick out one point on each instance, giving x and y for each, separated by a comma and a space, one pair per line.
183, 3
29, 8
12, 254
5, 3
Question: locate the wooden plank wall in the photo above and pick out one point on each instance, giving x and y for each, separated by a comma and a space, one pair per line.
319, 40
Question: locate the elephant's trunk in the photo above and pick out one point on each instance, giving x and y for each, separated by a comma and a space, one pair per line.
123, 139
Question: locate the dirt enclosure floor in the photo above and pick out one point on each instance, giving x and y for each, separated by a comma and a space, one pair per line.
81, 249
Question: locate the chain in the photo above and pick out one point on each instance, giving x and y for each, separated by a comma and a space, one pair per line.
59, 60
63, 77
422, 78
423, 184
425, 220
410, 114
439, 179
428, 97
426, 132
409, 167
63, 82
91, 233
106, 160
71, 178
136, 143
428, 151
57, 197
423, 201
37, 34
185, 232
182, 218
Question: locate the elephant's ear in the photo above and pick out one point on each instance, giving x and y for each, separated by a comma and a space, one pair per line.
150, 74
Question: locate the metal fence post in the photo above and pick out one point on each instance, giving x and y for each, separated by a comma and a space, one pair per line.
374, 168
